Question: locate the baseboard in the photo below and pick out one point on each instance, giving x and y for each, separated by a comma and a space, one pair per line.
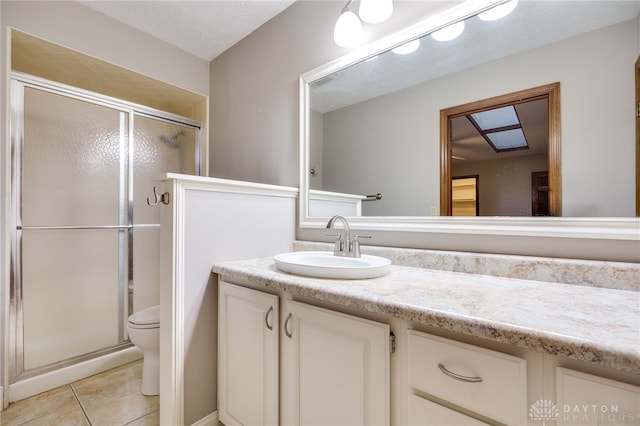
63, 376
210, 420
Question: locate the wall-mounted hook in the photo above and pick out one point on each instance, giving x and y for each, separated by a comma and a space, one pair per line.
164, 198
314, 172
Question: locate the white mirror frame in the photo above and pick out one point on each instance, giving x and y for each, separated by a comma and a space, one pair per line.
563, 227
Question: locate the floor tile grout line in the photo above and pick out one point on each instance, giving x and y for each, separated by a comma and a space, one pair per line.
141, 417
75, 395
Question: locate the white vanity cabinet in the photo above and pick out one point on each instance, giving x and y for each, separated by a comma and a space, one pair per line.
583, 398
248, 360
330, 368
335, 368
489, 384
451, 365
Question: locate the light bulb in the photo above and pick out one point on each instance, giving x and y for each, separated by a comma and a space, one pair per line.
499, 11
409, 47
449, 32
375, 11
348, 31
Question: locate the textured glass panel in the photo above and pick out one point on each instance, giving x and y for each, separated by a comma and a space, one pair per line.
70, 293
71, 162
159, 147
146, 274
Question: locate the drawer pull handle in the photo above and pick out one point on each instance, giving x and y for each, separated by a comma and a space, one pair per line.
458, 376
266, 318
286, 322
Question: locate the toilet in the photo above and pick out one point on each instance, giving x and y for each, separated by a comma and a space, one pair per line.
144, 332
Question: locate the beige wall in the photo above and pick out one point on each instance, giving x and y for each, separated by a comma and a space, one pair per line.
504, 184
254, 133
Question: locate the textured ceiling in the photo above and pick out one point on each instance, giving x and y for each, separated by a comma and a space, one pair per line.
202, 28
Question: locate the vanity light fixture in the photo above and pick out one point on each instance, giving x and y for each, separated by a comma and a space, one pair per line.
498, 12
348, 30
449, 32
375, 11
408, 47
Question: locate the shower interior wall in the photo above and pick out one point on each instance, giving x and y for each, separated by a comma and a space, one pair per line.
62, 23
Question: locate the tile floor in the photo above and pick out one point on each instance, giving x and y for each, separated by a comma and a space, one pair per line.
111, 398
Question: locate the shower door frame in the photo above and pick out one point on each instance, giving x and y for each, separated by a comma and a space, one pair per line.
127, 112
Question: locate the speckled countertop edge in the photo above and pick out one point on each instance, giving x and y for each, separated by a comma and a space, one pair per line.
595, 325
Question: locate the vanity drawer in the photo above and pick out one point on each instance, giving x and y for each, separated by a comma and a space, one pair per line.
489, 383
425, 412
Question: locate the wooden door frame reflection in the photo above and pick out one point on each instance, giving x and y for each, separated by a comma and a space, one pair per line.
552, 93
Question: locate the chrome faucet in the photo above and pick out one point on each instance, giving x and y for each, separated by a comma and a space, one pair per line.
344, 246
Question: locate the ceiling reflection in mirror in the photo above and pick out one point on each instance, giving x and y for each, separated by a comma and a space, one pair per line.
504, 148
374, 126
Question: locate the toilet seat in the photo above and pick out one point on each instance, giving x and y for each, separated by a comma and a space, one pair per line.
146, 318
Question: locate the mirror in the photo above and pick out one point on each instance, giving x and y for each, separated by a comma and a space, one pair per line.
511, 145
371, 120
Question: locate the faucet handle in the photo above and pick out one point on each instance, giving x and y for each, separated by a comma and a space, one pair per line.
355, 244
339, 244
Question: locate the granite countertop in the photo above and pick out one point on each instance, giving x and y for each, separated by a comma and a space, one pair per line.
595, 325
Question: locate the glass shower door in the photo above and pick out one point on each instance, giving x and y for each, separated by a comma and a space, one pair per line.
159, 146
71, 225
83, 167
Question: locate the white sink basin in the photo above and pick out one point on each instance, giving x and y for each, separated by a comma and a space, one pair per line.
324, 264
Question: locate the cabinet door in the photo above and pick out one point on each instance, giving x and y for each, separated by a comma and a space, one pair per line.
587, 399
335, 368
247, 356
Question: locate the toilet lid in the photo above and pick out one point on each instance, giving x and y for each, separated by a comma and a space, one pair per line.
146, 316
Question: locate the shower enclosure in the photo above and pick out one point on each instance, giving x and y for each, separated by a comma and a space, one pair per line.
83, 235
